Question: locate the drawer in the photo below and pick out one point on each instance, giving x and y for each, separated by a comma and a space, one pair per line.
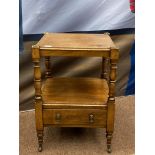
75, 117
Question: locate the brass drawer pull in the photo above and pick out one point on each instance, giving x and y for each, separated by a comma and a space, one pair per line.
91, 118
58, 117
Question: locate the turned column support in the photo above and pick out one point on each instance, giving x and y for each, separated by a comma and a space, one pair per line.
48, 67
111, 99
104, 73
40, 139
37, 71
109, 138
38, 97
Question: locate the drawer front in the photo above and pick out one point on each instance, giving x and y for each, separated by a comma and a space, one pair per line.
75, 117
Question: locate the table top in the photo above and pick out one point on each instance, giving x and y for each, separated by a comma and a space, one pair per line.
76, 41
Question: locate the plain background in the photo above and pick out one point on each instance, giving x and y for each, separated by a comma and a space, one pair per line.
73, 15
145, 75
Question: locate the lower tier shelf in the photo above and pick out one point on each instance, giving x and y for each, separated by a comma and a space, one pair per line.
74, 92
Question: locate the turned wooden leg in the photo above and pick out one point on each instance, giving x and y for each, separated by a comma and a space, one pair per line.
110, 124
40, 139
38, 97
109, 138
111, 104
104, 73
39, 123
48, 67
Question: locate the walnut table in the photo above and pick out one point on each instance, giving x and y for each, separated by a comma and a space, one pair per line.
75, 102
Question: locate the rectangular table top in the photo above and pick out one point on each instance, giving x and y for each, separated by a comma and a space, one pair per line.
75, 41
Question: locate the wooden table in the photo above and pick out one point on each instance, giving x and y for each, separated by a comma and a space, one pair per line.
75, 102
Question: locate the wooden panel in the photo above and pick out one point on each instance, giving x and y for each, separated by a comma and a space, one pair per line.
76, 41
74, 92
75, 117
75, 52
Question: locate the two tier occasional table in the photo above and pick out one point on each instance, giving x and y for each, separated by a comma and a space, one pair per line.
75, 102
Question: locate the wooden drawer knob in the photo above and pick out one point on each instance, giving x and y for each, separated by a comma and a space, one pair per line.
58, 117
91, 118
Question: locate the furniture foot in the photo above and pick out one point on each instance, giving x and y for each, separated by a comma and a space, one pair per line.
109, 138
109, 150
40, 148
40, 140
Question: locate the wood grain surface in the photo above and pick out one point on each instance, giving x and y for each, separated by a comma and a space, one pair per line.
76, 41
62, 92
75, 117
